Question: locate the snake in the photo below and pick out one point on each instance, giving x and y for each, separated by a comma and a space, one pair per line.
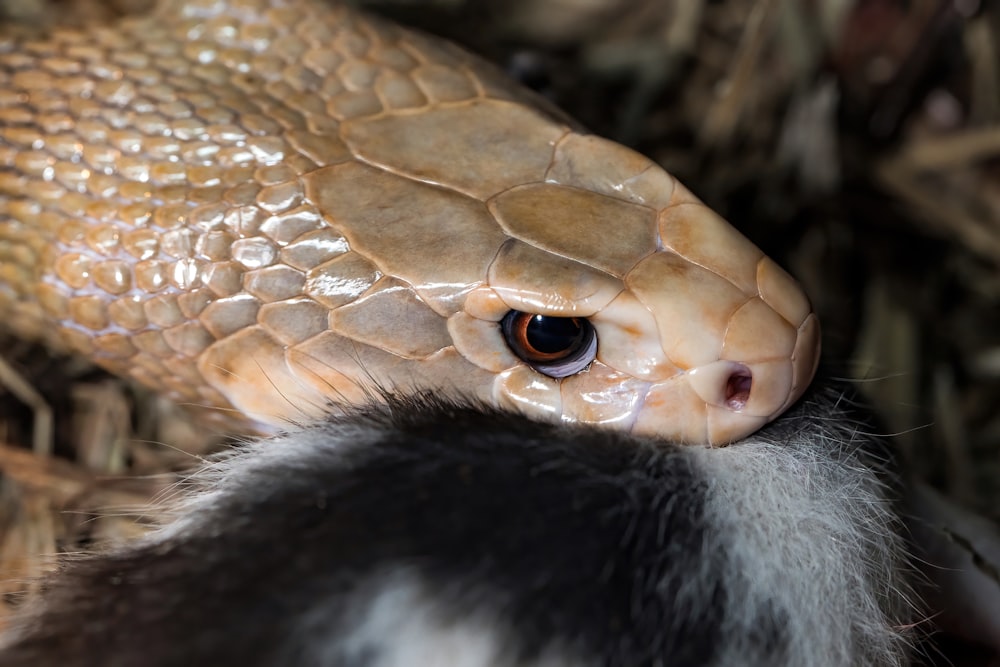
270, 208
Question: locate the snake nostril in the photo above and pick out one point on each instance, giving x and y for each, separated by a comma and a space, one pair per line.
738, 388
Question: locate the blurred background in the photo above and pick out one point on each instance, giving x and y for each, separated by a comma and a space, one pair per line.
856, 141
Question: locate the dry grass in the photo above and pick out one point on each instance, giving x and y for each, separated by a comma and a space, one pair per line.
112, 450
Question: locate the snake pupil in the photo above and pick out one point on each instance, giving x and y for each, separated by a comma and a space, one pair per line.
553, 335
555, 346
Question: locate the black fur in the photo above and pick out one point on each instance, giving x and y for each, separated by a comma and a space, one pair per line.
570, 536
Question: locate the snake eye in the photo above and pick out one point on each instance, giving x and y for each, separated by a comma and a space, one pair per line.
555, 346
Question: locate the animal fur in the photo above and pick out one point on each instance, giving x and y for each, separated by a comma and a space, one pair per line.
427, 533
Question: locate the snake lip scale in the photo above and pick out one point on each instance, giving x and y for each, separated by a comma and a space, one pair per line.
265, 206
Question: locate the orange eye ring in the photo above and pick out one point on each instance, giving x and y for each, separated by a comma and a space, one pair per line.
555, 346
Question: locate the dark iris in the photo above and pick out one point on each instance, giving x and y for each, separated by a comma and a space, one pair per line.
556, 346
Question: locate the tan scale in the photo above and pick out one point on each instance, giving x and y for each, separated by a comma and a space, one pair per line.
267, 206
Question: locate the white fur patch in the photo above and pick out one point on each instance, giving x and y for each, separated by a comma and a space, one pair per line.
399, 622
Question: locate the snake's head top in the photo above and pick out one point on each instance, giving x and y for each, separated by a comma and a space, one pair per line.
269, 205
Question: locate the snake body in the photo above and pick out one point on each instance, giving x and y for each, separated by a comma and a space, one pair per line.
265, 206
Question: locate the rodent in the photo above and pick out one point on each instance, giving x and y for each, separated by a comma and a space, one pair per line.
424, 532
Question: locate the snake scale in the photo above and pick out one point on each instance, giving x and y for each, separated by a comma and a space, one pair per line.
265, 206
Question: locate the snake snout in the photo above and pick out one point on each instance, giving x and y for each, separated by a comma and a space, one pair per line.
742, 395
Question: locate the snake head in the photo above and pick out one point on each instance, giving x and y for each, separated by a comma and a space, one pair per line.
652, 313
676, 324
